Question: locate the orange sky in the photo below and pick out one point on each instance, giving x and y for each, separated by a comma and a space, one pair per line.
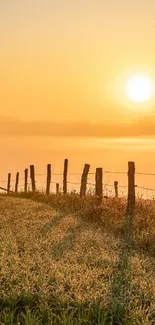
63, 68
68, 60
143, 127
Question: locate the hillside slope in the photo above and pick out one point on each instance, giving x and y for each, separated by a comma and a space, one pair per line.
47, 252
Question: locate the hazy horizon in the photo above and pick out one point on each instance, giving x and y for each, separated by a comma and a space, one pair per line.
64, 67
142, 127
19, 153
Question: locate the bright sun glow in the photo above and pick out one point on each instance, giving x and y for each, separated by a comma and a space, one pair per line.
139, 89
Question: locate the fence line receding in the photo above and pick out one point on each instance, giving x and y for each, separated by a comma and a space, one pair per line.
98, 185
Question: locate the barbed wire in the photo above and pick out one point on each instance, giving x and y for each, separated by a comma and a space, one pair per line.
110, 185
51, 182
40, 174
146, 188
89, 183
145, 174
73, 183
104, 171
54, 182
136, 173
79, 174
61, 174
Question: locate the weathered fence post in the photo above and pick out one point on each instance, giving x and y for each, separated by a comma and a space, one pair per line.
9, 182
84, 180
116, 188
99, 185
131, 188
65, 176
25, 180
57, 188
48, 179
17, 182
32, 175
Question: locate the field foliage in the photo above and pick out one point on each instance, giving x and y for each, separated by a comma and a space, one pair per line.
65, 260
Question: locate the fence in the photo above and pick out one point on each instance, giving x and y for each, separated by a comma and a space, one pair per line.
98, 184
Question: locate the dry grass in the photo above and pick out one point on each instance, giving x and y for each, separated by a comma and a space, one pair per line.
71, 249
40, 246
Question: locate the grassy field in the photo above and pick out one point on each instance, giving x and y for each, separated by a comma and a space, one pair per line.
65, 261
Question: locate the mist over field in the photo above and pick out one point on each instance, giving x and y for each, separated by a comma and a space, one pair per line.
109, 153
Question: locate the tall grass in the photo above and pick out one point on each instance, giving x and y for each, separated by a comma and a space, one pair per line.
64, 260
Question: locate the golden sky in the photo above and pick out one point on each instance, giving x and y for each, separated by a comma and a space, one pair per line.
67, 60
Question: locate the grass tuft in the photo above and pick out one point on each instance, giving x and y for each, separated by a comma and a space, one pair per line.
64, 260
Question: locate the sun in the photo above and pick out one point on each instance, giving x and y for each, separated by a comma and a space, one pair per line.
139, 88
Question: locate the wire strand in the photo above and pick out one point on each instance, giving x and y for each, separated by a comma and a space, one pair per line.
146, 188
146, 174
73, 183
40, 174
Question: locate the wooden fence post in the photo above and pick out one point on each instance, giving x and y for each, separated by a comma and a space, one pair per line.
84, 180
65, 176
116, 188
17, 182
25, 180
99, 185
57, 188
131, 188
32, 175
9, 182
48, 179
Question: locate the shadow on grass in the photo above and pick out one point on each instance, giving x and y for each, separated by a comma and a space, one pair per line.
73, 204
61, 248
30, 309
119, 292
54, 222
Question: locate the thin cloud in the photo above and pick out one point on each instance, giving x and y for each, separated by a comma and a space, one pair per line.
15, 127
